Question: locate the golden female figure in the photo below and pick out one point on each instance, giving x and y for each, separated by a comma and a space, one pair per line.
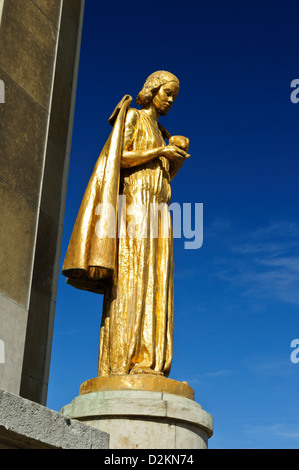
134, 271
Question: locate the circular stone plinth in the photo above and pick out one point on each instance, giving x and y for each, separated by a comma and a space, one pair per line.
149, 383
136, 419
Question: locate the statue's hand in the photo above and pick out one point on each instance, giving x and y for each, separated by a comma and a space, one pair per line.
174, 153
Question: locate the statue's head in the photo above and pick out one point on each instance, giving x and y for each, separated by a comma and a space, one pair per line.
161, 88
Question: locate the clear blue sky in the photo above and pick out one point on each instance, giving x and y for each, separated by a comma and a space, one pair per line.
237, 297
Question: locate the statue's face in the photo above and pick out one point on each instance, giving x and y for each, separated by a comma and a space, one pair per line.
165, 97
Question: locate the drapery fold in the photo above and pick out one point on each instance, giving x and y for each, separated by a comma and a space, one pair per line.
91, 259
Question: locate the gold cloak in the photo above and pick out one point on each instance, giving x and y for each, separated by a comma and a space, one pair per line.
90, 259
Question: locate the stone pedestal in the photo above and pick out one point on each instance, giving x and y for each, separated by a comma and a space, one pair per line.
142, 419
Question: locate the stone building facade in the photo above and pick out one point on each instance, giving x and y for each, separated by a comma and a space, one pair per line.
40, 45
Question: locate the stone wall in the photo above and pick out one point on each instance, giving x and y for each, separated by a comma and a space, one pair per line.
28, 425
39, 43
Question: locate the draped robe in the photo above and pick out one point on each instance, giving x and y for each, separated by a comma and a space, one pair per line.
136, 333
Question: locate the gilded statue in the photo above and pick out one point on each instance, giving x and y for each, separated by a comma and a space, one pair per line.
135, 270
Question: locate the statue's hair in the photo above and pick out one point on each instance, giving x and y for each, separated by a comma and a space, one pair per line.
153, 84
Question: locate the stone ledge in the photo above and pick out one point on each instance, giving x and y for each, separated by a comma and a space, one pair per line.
135, 403
28, 425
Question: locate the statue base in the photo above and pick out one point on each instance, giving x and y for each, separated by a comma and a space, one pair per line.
138, 417
142, 382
